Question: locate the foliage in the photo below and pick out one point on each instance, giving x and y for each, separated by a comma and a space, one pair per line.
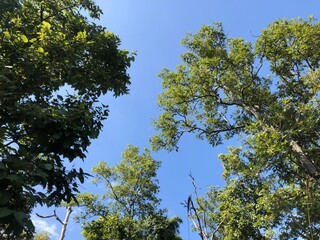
48, 48
267, 95
130, 208
42, 236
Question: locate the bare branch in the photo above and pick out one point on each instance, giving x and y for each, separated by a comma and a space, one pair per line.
64, 223
50, 216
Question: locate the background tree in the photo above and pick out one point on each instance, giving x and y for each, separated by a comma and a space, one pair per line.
42, 236
267, 94
130, 207
54, 65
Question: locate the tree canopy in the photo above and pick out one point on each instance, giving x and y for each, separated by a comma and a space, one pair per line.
265, 95
129, 209
55, 63
42, 236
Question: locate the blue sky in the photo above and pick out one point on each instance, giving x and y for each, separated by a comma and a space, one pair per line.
155, 29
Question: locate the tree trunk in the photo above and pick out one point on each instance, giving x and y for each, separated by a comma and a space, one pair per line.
65, 223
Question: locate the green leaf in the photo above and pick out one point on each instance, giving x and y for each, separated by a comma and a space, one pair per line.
41, 174
47, 166
4, 212
6, 34
15, 178
24, 38
40, 50
4, 197
20, 217
3, 173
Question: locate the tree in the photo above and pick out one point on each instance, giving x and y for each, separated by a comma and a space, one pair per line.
42, 236
130, 208
266, 96
55, 63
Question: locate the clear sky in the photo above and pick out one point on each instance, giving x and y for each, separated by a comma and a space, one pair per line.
155, 29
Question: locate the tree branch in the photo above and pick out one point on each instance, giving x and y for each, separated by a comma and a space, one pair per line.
64, 223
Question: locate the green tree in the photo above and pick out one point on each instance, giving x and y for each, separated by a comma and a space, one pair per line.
55, 63
130, 207
265, 95
42, 236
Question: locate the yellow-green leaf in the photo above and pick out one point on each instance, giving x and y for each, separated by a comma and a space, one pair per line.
24, 38
6, 34
32, 40
40, 50
46, 25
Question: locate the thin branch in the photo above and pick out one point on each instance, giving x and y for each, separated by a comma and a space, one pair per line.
50, 216
64, 223
115, 195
